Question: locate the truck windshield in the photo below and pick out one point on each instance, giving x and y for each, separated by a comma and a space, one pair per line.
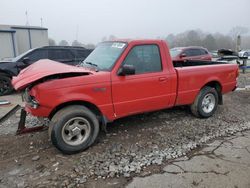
104, 55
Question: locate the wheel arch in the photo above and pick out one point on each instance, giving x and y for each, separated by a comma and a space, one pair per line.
218, 87
87, 104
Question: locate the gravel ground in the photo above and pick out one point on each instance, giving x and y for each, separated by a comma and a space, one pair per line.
244, 80
134, 146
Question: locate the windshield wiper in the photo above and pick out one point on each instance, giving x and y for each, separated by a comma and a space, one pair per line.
92, 64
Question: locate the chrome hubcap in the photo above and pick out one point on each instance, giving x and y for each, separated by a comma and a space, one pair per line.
208, 103
76, 131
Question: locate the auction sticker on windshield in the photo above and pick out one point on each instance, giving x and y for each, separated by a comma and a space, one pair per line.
118, 45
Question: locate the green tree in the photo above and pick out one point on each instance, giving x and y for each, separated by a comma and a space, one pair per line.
209, 42
224, 41
170, 40
193, 38
76, 43
63, 43
89, 46
52, 42
238, 30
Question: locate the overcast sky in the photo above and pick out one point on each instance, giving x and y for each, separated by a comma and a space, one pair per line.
94, 19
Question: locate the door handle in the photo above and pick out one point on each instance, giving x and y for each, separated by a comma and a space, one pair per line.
162, 79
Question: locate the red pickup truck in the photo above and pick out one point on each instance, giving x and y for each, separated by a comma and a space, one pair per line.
119, 78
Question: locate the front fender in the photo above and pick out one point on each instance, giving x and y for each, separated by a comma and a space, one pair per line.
52, 99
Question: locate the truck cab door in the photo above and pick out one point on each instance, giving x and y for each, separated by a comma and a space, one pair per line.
147, 89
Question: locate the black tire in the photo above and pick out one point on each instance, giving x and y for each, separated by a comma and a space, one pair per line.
200, 110
5, 84
58, 131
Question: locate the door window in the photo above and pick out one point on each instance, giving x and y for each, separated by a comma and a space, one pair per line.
188, 53
145, 58
192, 52
60, 54
37, 55
203, 52
81, 53
196, 52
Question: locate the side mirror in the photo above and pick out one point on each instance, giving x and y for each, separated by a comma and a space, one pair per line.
126, 70
183, 55
26, 60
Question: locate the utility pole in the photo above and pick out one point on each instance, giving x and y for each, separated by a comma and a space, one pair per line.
41, 19
238, 43
27, 19
77, 28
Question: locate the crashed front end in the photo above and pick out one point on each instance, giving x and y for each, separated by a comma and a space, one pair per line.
32, 105
29, 99
29, 80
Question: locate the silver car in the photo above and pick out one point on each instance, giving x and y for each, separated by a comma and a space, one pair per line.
244, 53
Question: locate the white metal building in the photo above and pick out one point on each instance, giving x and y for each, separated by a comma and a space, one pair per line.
15, 40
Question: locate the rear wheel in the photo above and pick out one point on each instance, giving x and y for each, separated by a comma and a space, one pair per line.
205, 103
5, 84
73, 129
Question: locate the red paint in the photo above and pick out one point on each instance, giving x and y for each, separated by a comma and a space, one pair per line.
123, 95
43, 68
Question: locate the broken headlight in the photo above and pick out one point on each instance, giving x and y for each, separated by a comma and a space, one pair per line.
30, 100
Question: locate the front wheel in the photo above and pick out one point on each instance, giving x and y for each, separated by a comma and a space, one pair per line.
73, 129
205, 103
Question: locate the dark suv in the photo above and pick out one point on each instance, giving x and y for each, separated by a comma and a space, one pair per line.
65, 54
190, 53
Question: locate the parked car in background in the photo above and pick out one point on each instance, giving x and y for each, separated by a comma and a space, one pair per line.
244, 53
214, 54
228, 56
65, 54
190, 53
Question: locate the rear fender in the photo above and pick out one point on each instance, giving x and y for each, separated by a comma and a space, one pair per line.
214, 83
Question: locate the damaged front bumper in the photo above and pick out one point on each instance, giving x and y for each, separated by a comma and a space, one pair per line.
31, 103
22, 129
33, 106
30, 100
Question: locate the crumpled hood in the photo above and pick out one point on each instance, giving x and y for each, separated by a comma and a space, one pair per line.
44, 68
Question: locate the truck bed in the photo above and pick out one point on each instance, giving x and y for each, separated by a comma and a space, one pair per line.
189, 63
192, 75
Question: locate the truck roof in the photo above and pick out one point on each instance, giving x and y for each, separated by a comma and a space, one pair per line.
136, 40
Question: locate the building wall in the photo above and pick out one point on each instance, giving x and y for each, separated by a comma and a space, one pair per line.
39, 38
24, 38
6, 45
5, 27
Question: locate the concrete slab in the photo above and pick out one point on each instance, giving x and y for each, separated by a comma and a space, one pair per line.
14, 99
224, 163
